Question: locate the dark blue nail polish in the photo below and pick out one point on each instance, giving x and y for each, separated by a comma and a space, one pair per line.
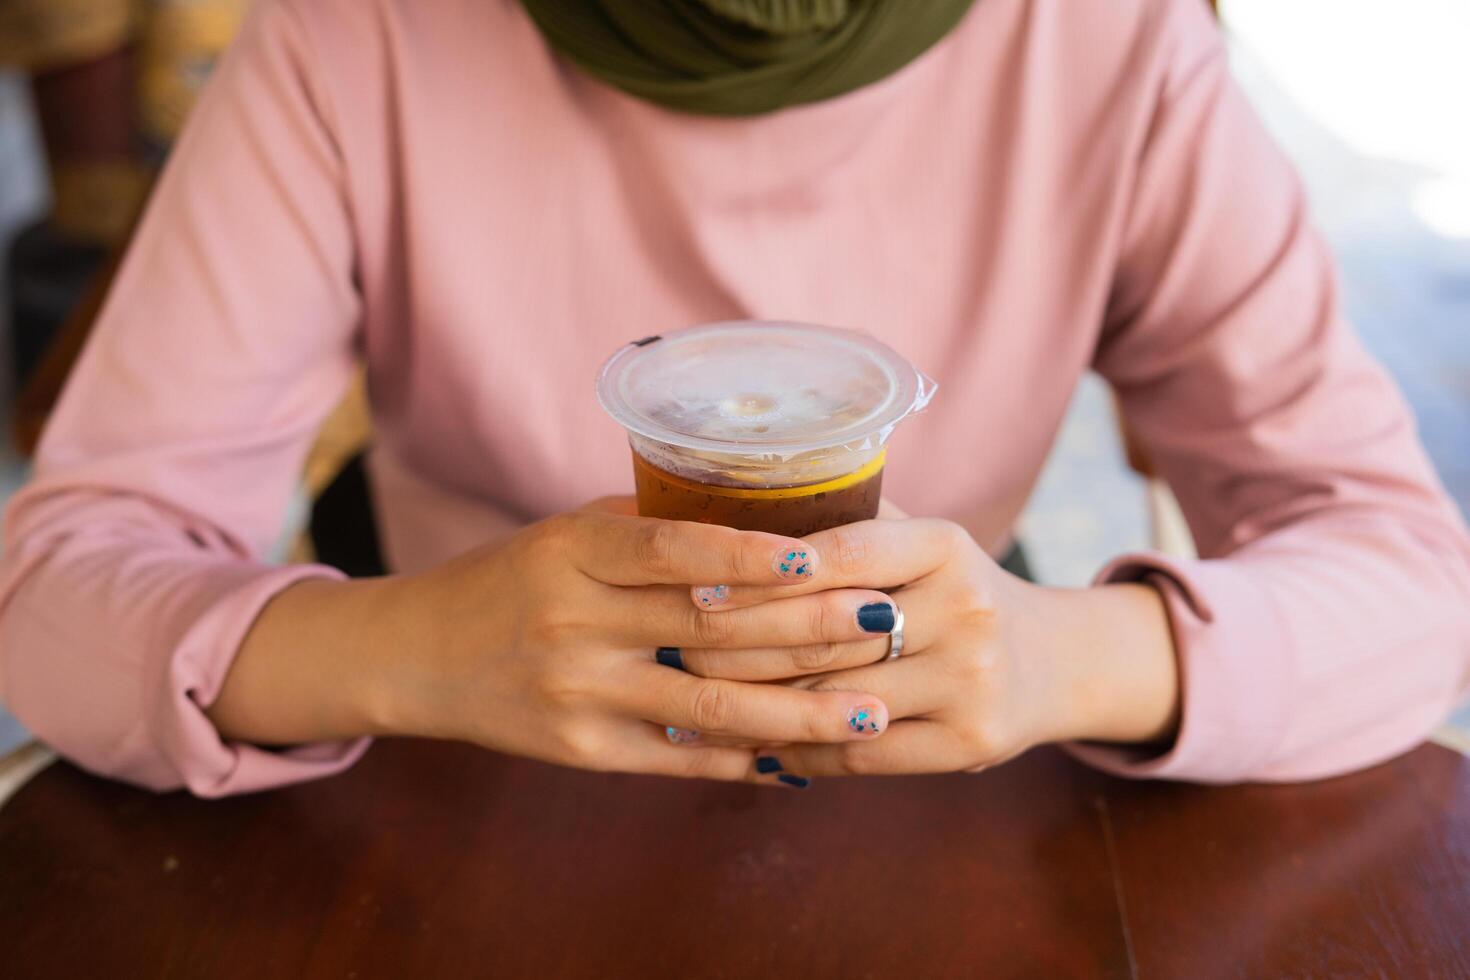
875, 617
670, 657
767, 764
800, 782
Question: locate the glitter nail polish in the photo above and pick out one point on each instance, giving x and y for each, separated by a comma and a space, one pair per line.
709, 596
864, 719
795, 564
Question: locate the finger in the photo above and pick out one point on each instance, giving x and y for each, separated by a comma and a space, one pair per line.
648, 551
923, 608
665, 619
837, 616
688, 736
877, 554
908, 686
912, 746
764, 712
645, 749
780, 663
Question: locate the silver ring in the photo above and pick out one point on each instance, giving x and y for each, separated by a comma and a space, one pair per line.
895, 635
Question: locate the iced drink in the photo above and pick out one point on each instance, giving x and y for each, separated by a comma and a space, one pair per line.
762, 426
796, 511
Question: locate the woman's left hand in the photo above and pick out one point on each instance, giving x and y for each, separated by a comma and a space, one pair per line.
991, 666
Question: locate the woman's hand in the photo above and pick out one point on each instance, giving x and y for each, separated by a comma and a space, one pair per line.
545, 647
992, 665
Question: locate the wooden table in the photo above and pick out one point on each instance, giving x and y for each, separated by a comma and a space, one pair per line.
433, 860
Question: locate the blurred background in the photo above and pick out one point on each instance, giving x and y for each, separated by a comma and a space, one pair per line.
1367, 97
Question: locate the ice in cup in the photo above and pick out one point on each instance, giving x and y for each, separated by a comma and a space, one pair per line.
760, 425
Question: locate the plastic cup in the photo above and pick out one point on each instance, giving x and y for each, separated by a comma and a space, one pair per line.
760, 425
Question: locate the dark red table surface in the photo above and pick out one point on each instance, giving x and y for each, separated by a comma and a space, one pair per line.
438, 860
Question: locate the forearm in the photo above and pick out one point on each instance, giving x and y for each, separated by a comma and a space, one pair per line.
1110, 657
311, 667
1323, 647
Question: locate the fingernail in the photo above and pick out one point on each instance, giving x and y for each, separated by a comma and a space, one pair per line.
875, 617
681, 736
709, 596
864, 719
670, 657
800, 782
795, 564
767, 764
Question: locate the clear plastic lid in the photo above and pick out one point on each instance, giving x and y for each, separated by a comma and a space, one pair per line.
761, 391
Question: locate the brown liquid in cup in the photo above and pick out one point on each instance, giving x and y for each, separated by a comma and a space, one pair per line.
660, 494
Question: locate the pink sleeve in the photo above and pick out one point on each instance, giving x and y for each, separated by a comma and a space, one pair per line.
1327, 624
131, 569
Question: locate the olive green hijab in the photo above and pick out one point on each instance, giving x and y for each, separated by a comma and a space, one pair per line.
742, 57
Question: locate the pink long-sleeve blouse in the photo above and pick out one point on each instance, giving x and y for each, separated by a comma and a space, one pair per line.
1055, 187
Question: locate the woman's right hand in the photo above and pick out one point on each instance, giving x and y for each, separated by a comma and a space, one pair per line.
544, 646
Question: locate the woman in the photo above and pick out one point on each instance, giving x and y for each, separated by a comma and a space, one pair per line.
481, 199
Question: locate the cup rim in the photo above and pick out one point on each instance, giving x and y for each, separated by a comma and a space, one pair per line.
910, 391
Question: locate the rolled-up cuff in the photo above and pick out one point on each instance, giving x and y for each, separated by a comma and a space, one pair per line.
189, 679
1235, 673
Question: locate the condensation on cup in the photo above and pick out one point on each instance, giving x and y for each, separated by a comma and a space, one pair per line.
761, 425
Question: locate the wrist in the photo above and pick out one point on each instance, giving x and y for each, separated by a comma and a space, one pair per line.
387, 629
313, 667
1109, 659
